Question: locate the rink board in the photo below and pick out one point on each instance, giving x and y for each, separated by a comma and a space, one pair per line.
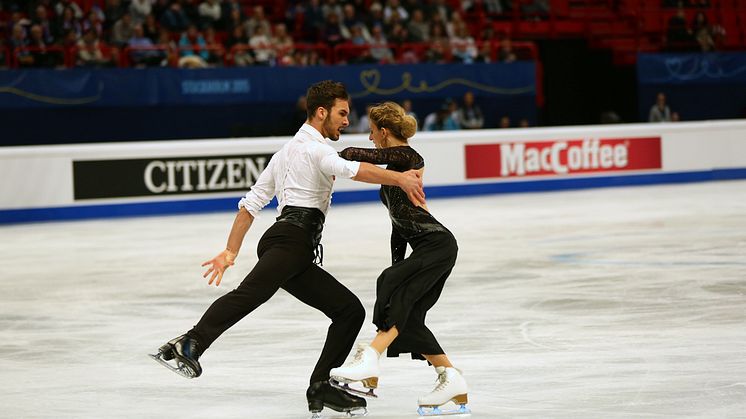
146, 178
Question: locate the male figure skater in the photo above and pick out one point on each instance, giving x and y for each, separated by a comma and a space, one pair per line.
301, 176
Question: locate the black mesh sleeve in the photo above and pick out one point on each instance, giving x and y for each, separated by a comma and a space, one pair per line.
404, 157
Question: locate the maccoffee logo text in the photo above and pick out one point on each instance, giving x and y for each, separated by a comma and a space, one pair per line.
561, 157
163, 176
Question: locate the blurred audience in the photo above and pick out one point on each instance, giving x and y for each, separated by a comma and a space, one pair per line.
506, 54
91, 52
402, 31
122, 30
261, 46
443, 118
143, 51
504, 122
660, 112
193, 49
140, 10
469, 114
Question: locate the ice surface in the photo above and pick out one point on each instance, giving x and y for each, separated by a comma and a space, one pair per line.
620, 302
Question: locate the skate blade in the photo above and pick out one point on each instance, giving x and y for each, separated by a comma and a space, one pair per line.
180, 368
355, 413
437, 411
346, 388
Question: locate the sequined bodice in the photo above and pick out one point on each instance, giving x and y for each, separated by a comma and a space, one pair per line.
408, 221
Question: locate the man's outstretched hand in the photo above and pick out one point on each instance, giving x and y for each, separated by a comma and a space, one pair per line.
218, 266
411, 184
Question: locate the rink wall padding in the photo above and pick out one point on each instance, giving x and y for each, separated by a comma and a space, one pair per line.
73, 182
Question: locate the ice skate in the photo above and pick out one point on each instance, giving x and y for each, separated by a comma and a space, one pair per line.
451, 387
185, 353
321, 394
363, 368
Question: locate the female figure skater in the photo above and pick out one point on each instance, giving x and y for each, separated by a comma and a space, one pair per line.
411, 286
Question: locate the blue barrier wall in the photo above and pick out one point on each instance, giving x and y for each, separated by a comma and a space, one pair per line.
48, 106
697, 86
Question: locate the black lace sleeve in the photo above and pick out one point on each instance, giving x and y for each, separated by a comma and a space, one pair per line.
398, 247
404, 157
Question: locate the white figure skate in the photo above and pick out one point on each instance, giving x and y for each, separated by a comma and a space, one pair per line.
451, 387
363, 368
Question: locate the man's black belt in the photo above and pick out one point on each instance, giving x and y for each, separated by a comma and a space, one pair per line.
309, 219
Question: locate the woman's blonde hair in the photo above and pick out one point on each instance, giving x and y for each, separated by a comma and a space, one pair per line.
391, 116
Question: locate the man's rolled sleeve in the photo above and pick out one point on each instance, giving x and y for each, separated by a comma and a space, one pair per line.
260, 194
332, 164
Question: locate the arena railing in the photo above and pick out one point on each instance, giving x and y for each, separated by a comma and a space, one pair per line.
216, 53
423, 52
286, 56
133, 55
61, 52
381, 53
108, 52
405, 53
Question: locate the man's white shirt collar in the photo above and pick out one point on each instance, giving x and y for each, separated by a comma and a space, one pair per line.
313, 132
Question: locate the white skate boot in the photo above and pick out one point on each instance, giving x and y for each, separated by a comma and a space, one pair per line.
363, 368
451, 387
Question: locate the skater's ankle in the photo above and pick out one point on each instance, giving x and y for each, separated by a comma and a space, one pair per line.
378, 351
203, 345
440, 360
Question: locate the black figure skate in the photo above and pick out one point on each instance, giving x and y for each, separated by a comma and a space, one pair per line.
321, 394
185, 352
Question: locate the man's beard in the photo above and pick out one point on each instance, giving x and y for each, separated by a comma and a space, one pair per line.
331, 133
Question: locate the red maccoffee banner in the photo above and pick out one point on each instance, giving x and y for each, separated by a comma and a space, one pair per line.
562, 157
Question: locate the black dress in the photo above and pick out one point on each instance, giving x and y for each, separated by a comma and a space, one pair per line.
406, 290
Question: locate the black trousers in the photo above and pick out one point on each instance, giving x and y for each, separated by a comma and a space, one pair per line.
408, 289
286, 254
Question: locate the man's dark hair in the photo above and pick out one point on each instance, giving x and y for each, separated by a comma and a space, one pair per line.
323, 94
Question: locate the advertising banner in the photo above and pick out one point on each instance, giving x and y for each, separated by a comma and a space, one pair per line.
165, 176
77, 88
561, 157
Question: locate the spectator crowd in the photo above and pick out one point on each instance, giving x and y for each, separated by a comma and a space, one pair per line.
449, 116
201, 33
697, 35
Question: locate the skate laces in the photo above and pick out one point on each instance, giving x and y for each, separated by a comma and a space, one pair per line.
442, 382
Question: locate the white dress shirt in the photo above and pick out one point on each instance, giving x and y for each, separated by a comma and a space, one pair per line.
300, 174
